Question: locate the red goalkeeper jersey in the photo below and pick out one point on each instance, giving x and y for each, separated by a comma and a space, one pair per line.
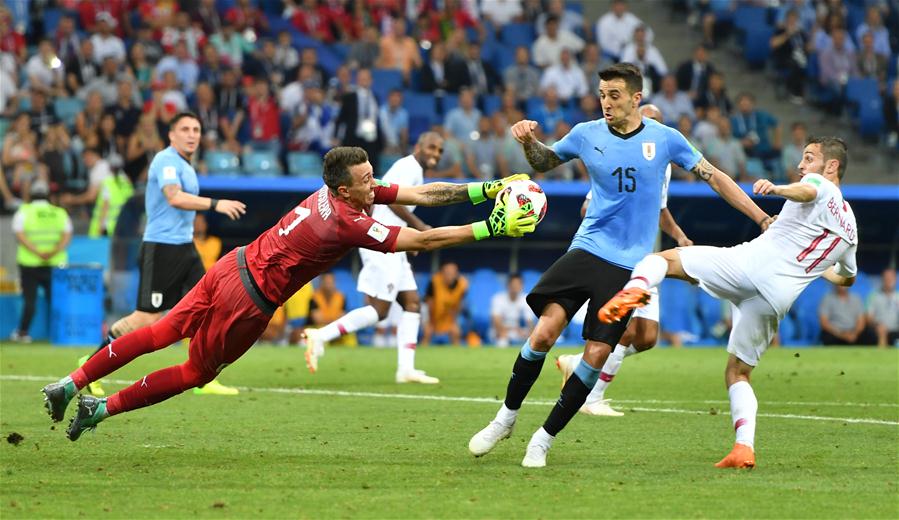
313, 237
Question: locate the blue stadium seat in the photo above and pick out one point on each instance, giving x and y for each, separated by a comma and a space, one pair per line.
532, 105
491, 103
25, 101
747, 17
503, 58
304, 164
756, 47
220, 162
419, 124
385, 80
51, 18
67, 109
448, 102
419, 104
858, 89
260, 163
862, 286
870, 118
530, 278
516, 34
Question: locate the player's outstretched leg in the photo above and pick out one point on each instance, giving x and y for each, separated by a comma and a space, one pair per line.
648, 273
91, 410
524, 373
406, 341
350, 322
116, 355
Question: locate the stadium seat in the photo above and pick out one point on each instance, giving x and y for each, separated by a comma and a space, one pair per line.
516, 34
259, 163
756, 48
448, 102
220, 162
870, 118
304, 164
385, 80
748, 17
67, 109
503, 57
859, 89
51, 18
418, 124
532, 106
419, 104
530, 278
491, 103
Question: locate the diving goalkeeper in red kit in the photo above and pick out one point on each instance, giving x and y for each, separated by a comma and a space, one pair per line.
229, 308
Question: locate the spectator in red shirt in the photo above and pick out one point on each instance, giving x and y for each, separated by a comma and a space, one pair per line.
244, 15
313, 19
265, 124
10, 40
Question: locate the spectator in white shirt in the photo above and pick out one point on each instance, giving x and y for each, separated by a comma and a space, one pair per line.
652, 57
883, 310
615, 29
522, 77
45, 70
510, 315
105, 42
567, 78
501, 12
185, 68
548, 48
672, 102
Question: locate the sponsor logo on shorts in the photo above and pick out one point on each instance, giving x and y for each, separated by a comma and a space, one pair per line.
156, 299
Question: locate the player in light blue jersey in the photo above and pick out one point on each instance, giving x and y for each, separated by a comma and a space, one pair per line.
625, 155
169, 263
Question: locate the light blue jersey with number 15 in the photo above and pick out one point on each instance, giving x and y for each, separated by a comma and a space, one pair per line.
627, 172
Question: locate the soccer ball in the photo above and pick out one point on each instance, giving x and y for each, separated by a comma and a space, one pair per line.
520, 192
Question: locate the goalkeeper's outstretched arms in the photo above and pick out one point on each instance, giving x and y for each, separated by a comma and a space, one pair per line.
446, 193
502, 222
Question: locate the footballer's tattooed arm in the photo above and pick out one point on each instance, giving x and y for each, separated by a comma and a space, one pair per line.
540, 157
432, 194
725, 186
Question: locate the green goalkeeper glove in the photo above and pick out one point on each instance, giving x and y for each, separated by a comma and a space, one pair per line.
506, 222
478, 192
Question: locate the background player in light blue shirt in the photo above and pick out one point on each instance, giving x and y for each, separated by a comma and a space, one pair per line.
625, 155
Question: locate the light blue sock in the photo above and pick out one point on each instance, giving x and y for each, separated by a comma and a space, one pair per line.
531, 355
587, 374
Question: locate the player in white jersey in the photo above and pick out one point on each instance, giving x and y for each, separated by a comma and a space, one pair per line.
643, 328
814, 235
387, 277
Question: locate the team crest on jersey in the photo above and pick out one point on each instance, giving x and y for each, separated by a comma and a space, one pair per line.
156, 299
378, 232
649, 150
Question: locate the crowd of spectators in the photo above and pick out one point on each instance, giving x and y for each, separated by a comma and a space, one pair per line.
87, 88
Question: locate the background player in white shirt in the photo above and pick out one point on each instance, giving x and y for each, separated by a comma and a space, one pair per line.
643, 328
815, 235
388, 277
510, 315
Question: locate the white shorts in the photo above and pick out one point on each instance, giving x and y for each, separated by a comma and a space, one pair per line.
719, 273
650, 311
384, 275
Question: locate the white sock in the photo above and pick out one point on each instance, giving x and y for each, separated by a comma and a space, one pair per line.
607, 373
743, 407
648, 272
407, 340
542, 438
350, 322
505, 416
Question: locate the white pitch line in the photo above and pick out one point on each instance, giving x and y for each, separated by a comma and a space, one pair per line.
460, 399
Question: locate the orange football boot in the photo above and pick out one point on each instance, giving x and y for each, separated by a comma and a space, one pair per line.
622, 303
741, 457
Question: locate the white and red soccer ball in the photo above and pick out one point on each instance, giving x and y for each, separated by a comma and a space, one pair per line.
518, 193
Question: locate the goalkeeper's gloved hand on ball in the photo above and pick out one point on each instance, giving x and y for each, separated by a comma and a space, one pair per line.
507, 222
478, 192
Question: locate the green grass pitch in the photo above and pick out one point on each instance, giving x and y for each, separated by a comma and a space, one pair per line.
349, 443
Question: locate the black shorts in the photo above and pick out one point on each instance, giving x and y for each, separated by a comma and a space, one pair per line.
576, 277
167, 273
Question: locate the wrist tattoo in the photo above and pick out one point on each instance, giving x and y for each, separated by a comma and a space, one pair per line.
541, 157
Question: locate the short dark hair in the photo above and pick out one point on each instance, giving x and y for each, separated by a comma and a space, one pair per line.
337, 163
833, 148
629, 72
515, 276
181, 115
